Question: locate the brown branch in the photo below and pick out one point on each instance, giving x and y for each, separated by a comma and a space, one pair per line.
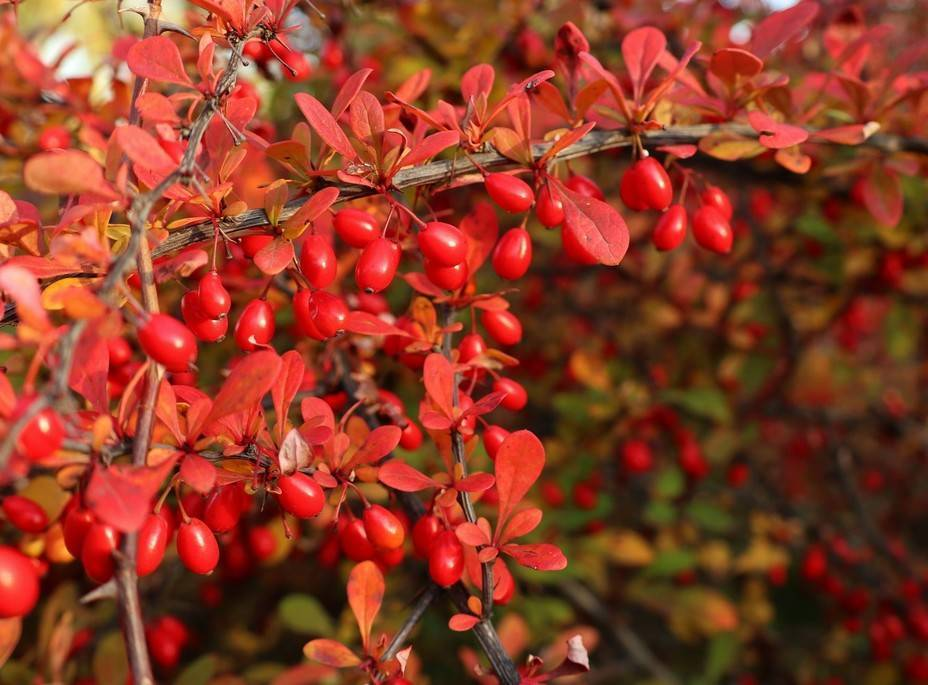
418, 611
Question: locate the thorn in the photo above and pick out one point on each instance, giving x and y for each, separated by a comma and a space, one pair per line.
166, 26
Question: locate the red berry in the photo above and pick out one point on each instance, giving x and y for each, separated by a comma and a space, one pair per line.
574, 250
472, 345
383, 529
43, 433
153, 540
222, 509
442, 244
197, 546
302, 312
585, 495
549, 208
215, 300
446, 559
300, 495
25, 514
389, 558
55, 137
76, 524
584, 186
511, 193
168, 342
713, 196
646, 185
513, 254
411, 437
502, 325
262, 543
255, 326
252, 244
637, 457
356, 227
737, 474
377, 265
515, 397
100, 542
493, 437
203, 327
300, 68
711, 230
447, 277
354, 542
670, 229
329, 313
19, 583
120, 351
317, 261
423, 534
814, 563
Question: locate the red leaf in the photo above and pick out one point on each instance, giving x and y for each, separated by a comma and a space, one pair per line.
311, 210
481, 226
519, 462
485, 404
293, 454
198, 473
288, 384
403, 477
421, 284
780, 27
166, 410
567, 139
882, 194
275, 256
731, 63
313, 408
365, 595
365, 323
540, 557
378, 444
349, 91
431, 146
66, 172
324, 124
475, 482
23, 288
472, 534
157, 58
681, 151
522, 523
597, 226
433, 420
641, 49
155, 108
247, 384
367, 120
775, 135
854, 134
462, 622
438, 376
89, 370
121, 495
476, 81
143, 149
577, 660
330, 653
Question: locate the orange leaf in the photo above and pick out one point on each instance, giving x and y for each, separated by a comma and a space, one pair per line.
157, 58
330, 653
23, 288
365, 595
66, 172
519, 462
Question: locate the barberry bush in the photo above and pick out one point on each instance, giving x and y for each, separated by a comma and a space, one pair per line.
436, 342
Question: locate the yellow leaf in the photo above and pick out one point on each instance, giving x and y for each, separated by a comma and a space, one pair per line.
628, 548
730, 146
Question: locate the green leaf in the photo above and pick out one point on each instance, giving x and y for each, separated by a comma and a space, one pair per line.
722, 652
669, 483
705, 402
659, 513
671, 562
305, 615
110, 664
710, 517
200, 672
901, 332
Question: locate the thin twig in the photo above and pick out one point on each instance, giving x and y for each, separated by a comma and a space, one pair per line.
418, 611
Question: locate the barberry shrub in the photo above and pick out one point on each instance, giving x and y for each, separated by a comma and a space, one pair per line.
526, 338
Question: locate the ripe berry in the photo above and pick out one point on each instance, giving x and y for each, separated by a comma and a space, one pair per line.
168, 342
446, 559
203, 327
447, 277
261, 542
423, 534
513, 254
255, 326
442, 244
637, 457
252, 244
377, 265
713, 196
493, 437
222, 509
120, 351
42, 435
711, 230
646, 185
511, 193
215, 300
354, 542
383, 529
300, 495
584, 186
502, 325
472, 345
549, 208
317, 261
356, 227
55, 137
197, 546
515, 397
153, 540
25, 514
76, 524
389, 558
329, 313
670, 229
19, 583
411, 437
97, 550
302, 312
